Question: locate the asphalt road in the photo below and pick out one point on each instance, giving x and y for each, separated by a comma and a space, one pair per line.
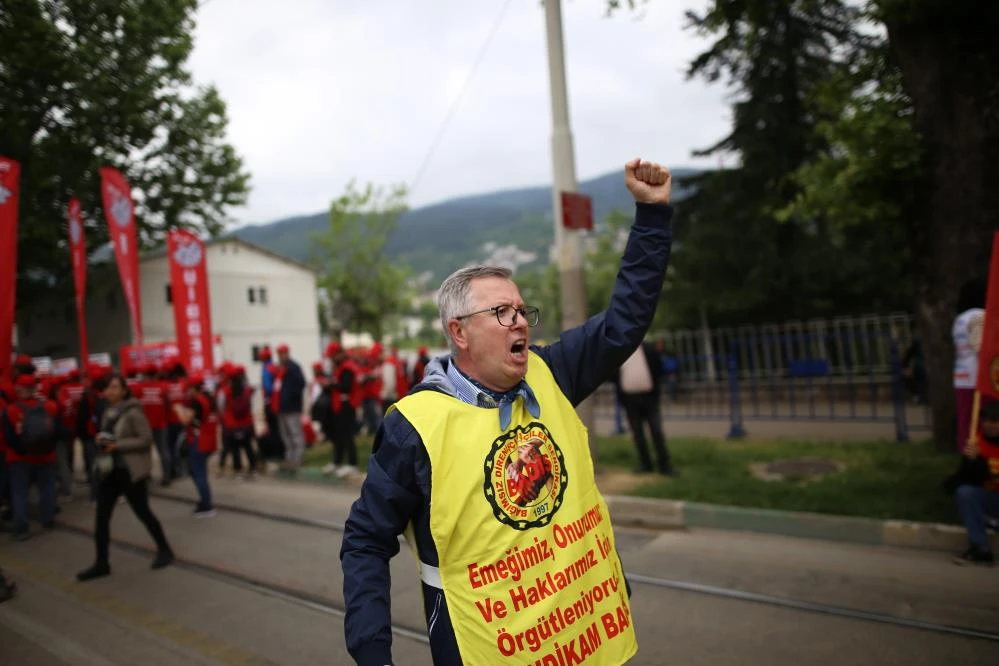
266, 589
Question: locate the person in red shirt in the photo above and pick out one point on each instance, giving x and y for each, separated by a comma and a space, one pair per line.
67, 397
152, 395
29, 429
371, 381
344, 393
236, 400
175, 393
200, 421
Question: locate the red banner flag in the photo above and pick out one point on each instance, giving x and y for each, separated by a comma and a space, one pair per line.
988, 352
10, 176
78, 252
120, 215
191, 310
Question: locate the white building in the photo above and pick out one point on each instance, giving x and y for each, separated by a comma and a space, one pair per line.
257, 298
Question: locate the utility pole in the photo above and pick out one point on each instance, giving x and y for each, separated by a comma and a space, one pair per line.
568, 242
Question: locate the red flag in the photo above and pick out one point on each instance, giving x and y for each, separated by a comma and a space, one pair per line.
191, 310
10, 175
988, 352
120, 215
78, 251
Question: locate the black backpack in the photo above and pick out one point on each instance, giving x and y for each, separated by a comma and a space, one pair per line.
38, 430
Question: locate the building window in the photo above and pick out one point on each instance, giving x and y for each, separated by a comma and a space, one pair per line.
251, 295
262, 295
169, 295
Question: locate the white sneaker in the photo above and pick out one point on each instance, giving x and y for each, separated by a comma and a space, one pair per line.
330, 469
346, 470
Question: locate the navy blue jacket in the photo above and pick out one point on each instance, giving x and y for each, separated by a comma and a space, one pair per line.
396, 491
292, 388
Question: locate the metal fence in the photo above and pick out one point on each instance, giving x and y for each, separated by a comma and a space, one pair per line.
842, 369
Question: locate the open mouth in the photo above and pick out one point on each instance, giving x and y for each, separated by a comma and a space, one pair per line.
518, 347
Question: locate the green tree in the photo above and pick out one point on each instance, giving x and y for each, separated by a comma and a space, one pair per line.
734, 252
86, 83
912, 153
364, 287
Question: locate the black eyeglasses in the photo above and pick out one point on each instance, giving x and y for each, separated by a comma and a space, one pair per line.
506, 315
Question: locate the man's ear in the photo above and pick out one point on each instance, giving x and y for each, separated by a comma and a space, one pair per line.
457, 332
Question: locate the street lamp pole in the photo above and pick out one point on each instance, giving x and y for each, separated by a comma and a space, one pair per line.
568, 242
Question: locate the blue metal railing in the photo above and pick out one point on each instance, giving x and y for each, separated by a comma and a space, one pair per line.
819, 372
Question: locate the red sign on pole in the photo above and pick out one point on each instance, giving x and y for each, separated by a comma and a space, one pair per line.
577, 211
191, 310
10, 177
120, 213
78, 251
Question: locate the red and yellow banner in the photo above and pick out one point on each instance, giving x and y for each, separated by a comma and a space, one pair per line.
119, 211
78, 252
988, 354
191, 310
10, 177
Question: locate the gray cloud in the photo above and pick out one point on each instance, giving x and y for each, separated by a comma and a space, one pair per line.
320, 92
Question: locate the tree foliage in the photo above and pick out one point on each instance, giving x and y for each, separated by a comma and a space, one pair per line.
740, 250
86, 83
363, 287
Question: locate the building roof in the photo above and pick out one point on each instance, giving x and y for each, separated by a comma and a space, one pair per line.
105, 253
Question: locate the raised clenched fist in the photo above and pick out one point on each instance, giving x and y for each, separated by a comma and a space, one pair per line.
648, 182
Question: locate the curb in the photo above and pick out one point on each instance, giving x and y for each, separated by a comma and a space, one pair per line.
658, 514
674, 514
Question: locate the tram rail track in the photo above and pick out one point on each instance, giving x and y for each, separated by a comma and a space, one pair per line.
324, 605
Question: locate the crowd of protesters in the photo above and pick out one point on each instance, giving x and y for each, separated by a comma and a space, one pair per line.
48, 421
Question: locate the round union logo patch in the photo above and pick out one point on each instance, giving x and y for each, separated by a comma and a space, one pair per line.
525, 477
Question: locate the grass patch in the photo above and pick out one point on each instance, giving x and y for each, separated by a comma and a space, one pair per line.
321, 454
881, 480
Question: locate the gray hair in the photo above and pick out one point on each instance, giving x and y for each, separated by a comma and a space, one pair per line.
453, 296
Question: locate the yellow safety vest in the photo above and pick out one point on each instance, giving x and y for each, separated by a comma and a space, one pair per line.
527, 558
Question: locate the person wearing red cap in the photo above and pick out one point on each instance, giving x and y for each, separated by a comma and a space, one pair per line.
200, 420
271, 446
29, 429
371, 388
175, 393
151, 393
68, 398
343, 394
236, 405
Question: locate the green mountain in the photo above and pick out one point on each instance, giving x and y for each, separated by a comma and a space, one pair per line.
442, 237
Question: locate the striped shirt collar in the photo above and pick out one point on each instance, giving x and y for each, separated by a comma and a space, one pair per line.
472, 392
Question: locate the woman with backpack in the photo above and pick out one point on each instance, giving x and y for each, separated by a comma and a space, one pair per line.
122, 467
237, 420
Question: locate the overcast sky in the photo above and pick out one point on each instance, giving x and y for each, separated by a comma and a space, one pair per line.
323, 91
